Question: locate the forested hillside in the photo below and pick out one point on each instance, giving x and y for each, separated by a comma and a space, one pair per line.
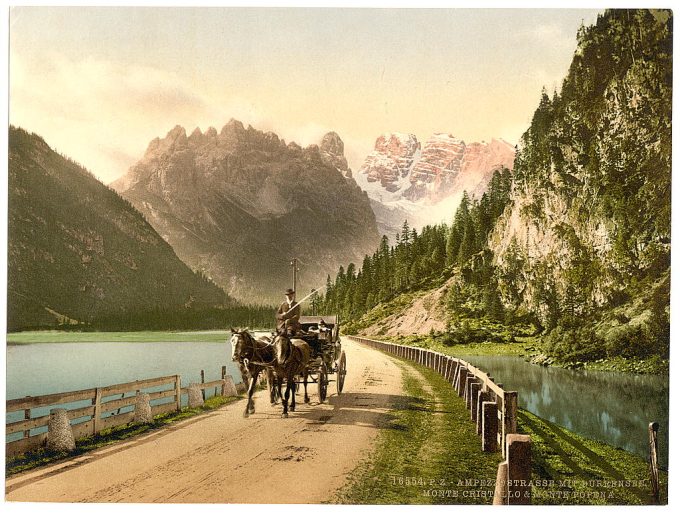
576, 242
81, 256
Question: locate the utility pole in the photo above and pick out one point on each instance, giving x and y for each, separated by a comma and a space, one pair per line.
293, 264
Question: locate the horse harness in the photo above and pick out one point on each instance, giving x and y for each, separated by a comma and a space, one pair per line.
256, 355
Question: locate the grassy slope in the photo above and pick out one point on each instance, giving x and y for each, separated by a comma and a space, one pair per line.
429, 449
490, 338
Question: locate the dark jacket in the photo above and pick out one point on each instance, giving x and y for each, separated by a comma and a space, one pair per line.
290, 320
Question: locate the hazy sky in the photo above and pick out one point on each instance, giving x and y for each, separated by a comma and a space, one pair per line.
99, 83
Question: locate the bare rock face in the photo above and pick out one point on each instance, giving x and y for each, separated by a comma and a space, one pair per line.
332, 151
446, 166
390, 163
479, 162
239, 203
438, 167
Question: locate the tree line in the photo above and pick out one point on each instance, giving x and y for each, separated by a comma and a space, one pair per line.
420, 259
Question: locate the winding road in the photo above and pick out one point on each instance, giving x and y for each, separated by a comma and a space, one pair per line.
221, 457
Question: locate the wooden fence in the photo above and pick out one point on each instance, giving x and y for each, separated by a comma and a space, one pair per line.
493, 409
103, 407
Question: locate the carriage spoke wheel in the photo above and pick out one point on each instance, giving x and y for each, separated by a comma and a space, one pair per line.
322, 383
342, 371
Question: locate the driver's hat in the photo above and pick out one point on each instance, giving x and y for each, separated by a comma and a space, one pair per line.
290, 292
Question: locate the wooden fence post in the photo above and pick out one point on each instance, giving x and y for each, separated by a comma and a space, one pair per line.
482, 397
466, 393
474, 395
510, 412
500, 494
203, 381
96, 417
27, 415
654, 461
519, 469
178, 392
462, 375
489, 426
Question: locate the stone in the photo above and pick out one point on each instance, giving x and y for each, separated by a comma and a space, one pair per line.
195, 396
59, 432
143, 408
229, 387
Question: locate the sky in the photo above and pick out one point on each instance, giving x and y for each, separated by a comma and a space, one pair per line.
100, 83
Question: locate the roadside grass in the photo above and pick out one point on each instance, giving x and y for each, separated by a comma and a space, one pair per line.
431, 454
473, 348
43, 457
428, 454
572, 470
529, 348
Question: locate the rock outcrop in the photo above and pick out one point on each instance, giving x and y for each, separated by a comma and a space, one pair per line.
425, 185
239, 204
391, 161
332, 151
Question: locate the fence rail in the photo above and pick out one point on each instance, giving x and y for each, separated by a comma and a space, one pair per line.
493, 409
103, 408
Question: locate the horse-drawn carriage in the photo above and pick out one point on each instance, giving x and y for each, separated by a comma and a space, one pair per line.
313, 352
322, 333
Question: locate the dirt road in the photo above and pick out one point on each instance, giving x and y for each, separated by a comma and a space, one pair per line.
225, 458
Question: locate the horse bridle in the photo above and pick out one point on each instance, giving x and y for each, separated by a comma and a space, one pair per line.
260, 360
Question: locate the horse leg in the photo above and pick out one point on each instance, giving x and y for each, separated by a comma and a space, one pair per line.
293, 390
251, 389
284, 399
306, 373
271, 385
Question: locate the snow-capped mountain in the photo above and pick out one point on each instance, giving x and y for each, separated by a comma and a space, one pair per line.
425, 185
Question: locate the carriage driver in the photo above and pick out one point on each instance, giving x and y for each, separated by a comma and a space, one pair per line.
288, 315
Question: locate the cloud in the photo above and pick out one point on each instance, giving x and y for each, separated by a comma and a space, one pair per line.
549, 34
103, 114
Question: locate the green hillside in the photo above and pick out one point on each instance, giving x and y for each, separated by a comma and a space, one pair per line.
78, 251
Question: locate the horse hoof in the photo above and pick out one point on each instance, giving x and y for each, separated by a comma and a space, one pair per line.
245, 414
284, 415
307, 400
292, 409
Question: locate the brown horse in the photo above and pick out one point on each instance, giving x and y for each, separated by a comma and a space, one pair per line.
254, 356
292, 358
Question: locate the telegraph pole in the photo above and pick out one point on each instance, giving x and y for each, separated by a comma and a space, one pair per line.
293, 264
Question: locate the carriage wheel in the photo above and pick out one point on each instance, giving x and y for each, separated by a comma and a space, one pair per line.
322, 383
342, 371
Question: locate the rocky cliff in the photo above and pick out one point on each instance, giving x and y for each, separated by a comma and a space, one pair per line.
78, 251
240, 203
424, 185
589, 225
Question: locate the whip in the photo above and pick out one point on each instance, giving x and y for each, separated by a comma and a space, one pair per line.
297, 303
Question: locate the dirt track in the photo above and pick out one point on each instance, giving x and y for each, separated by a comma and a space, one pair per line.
222, 457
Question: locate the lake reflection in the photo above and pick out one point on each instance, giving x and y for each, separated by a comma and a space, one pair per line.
612, 407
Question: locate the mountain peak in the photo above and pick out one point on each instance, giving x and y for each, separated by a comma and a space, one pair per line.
332, 151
